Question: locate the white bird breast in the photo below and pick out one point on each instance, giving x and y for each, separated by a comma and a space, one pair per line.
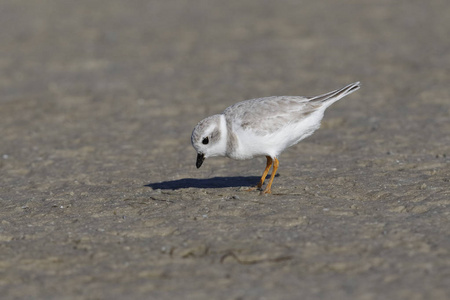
251, 145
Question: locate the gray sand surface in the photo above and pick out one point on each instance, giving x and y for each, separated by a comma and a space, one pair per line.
99, 194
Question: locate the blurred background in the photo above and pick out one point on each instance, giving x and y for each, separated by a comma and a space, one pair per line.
128, 63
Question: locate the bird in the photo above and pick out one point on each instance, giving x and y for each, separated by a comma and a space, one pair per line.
263, 127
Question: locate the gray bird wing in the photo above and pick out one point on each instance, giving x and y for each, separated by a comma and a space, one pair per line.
267, 115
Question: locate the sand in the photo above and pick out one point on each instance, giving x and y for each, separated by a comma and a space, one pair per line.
99, 194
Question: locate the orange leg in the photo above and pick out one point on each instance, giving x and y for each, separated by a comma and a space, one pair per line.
261, 182
274, 171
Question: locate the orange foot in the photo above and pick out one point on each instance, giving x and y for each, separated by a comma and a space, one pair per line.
267, 190
252, 188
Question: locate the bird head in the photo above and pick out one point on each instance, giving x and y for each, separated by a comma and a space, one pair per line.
208, 138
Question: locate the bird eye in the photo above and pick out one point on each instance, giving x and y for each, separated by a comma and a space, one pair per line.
205, 141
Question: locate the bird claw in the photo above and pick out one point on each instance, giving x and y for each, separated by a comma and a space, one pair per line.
267, 191
253, 188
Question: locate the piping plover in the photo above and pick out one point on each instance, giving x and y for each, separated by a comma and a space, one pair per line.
263, 126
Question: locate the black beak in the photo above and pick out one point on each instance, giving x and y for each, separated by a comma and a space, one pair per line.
200, 159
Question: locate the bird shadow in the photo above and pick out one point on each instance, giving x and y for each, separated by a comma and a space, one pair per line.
207, 183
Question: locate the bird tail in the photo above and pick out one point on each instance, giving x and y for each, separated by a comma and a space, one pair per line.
337, 94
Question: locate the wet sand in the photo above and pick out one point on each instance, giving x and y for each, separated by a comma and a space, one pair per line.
99, 194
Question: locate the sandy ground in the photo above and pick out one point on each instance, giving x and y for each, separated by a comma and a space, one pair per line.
99, 194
